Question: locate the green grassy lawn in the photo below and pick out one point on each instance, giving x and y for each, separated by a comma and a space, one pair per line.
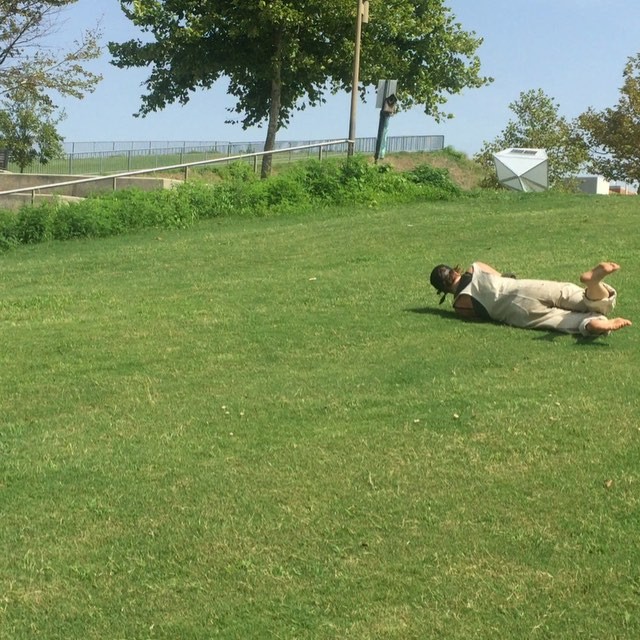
270, 429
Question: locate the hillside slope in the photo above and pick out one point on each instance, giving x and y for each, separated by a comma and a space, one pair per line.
464, 172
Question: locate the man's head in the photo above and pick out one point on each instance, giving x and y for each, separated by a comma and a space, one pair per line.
442, 278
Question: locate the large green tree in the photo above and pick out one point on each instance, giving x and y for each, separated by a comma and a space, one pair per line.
33, 72
284, 55
538, 125
613, 135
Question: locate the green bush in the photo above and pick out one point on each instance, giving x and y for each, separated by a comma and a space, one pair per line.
435, 178
197, 197
320, 180
133, 209
286, 194
34, 223
82, 222
304, 187
239, 172
340, 182
8, 229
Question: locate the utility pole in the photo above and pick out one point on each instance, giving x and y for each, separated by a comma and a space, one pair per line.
362, 16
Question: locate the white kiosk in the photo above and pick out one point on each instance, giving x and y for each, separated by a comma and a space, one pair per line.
522, 169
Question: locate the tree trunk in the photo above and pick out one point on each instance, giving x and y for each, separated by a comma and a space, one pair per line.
274, 109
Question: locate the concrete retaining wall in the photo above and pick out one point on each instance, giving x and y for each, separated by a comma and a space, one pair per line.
71, 192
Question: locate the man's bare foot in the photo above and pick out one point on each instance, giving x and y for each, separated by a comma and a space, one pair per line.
605, 325
595, 290
599, 272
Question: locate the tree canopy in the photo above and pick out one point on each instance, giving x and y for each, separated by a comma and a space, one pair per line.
31, 74
538, 125
27, 66
284, 55
613, 135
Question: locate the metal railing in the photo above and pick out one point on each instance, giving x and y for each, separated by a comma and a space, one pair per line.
323, 148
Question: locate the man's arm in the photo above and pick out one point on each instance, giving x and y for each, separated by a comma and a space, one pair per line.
463, 306
487, 268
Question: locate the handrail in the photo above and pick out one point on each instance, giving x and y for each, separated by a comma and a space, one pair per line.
184, 165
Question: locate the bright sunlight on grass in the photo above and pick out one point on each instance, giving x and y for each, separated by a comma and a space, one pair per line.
268, 428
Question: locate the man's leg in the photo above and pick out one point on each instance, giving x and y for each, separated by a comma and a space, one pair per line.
593, 278
595, 290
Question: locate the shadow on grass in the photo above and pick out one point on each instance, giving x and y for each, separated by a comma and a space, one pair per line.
442, 313
595, 341
578, 340
546, 336
449, 315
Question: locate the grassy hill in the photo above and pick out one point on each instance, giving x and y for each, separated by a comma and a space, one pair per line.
268, 428
464, 172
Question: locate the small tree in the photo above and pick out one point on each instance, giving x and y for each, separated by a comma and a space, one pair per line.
613, 135
538, 125
28, 130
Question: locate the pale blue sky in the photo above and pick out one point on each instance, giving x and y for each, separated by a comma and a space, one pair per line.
575, 50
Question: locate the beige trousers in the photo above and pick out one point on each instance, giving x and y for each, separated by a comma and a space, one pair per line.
539, 304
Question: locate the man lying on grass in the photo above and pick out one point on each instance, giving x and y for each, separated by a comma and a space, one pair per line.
482, 293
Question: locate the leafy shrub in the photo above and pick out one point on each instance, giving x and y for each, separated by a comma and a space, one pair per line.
237, 172
436, 178
132, 209
198, 197
286, 194
319, 179
77, 222
305, 186
340, 182
358, 180
33, 223
8, 229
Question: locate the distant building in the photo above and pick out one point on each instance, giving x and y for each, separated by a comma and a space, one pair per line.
621, 190
593, 184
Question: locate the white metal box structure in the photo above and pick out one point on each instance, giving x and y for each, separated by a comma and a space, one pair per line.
522, 169
593, 184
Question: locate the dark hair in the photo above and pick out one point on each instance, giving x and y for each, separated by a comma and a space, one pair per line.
441, 278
